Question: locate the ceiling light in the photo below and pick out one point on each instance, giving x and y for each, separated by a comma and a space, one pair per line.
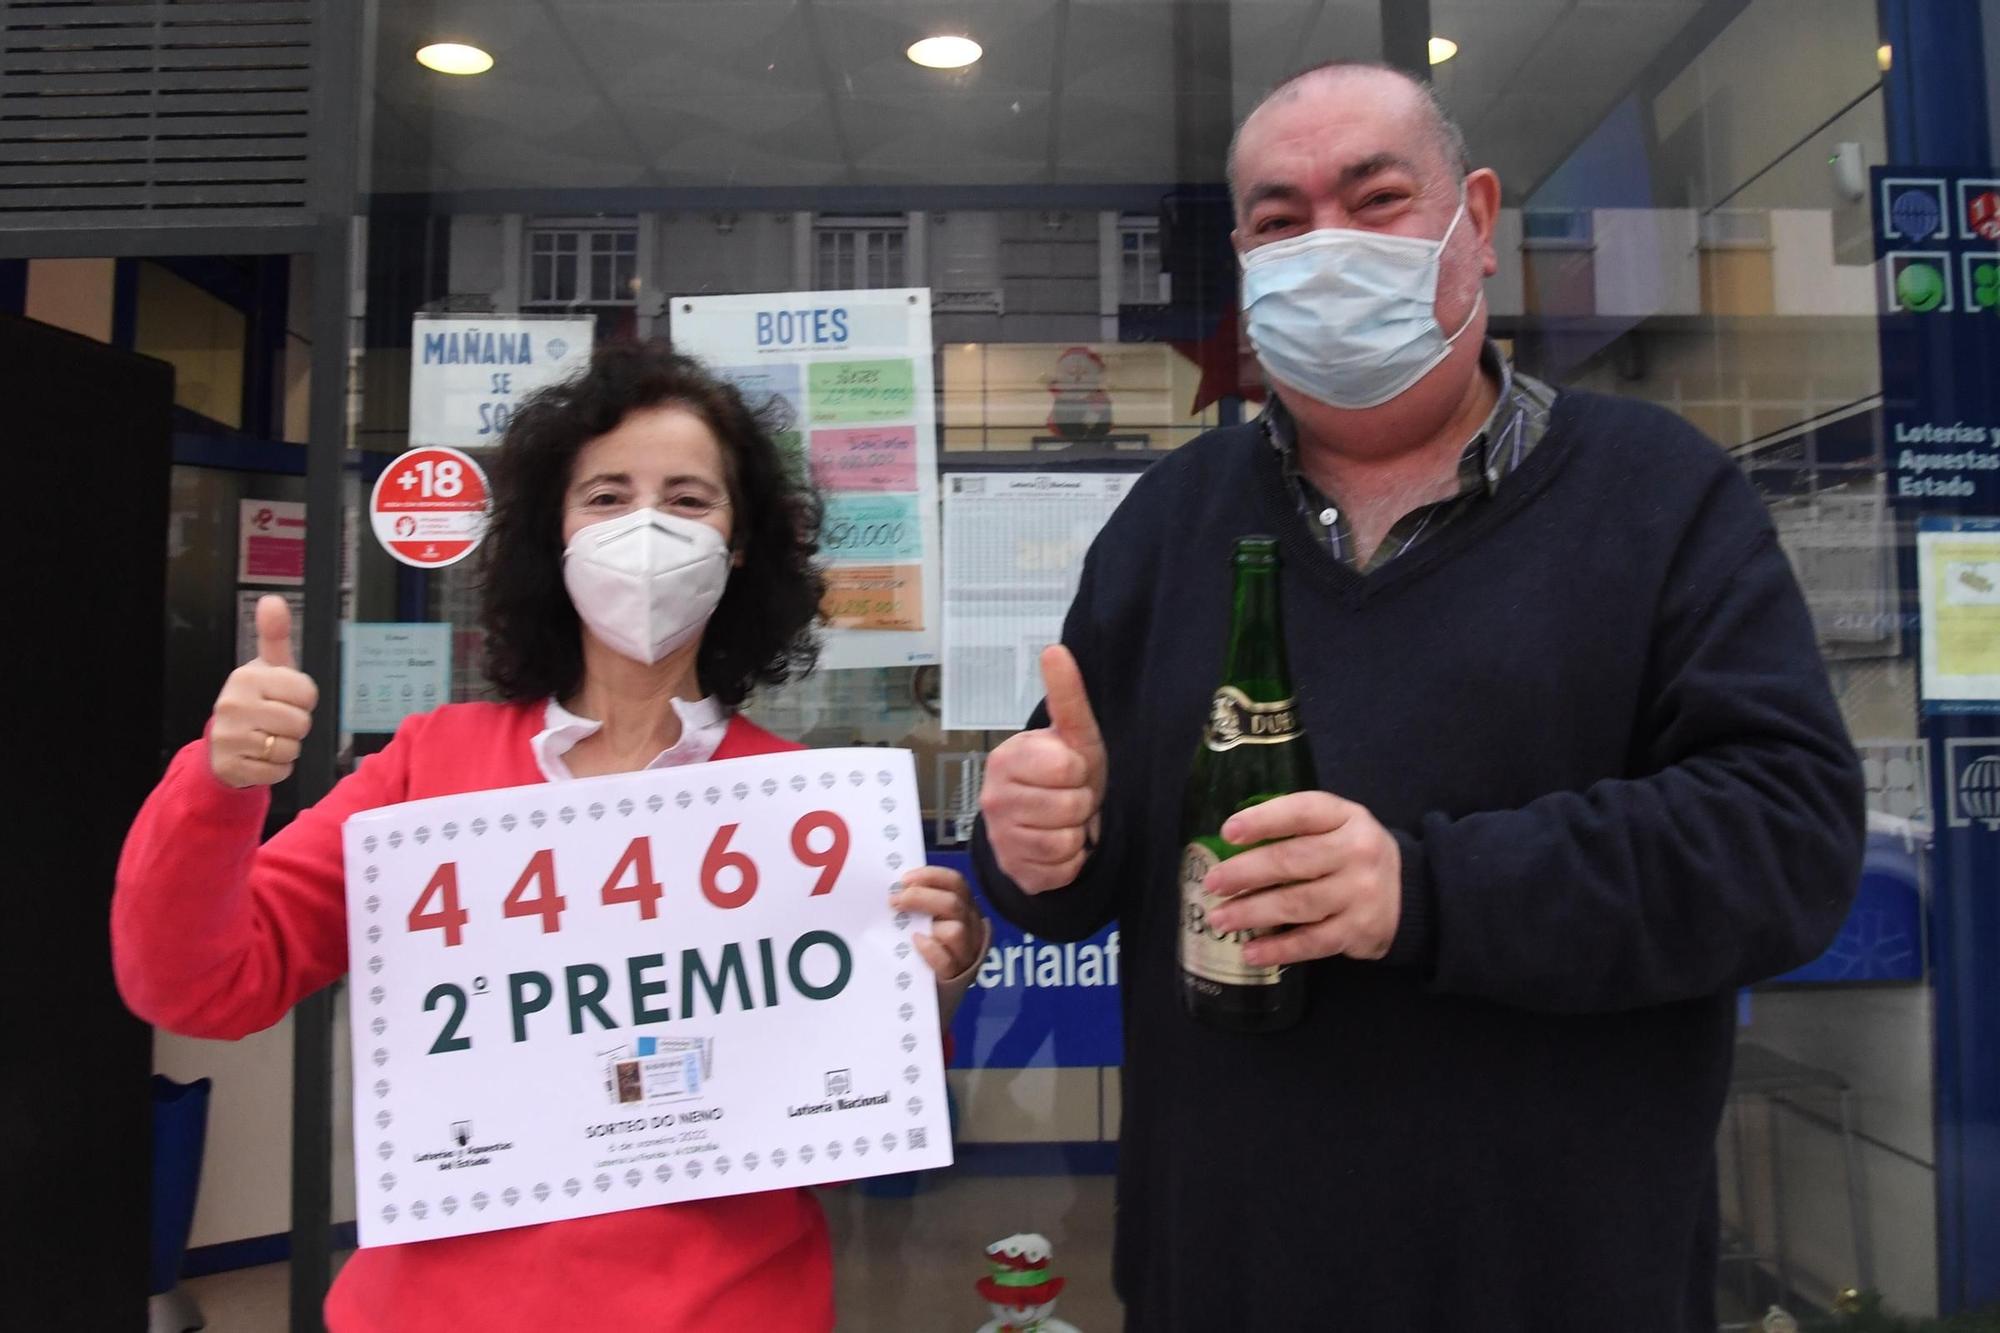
454, 58
1442, 49
945, 52
1885, 56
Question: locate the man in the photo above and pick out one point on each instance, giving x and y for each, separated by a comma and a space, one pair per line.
1583, 779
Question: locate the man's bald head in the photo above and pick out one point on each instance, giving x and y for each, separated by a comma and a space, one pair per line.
1440, 134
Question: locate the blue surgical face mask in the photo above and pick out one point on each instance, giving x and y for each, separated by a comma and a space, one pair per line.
1347, 317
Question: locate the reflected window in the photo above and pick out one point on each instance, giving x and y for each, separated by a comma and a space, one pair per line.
1140, 281
1737, 276
860, 252
1558, 264
593, 265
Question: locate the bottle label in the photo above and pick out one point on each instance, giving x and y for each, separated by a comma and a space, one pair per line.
1234, 719
1206, 952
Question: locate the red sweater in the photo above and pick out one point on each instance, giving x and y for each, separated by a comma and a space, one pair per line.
215, 936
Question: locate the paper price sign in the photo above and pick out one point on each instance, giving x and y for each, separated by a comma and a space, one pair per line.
623, 991
871, 528
468, 375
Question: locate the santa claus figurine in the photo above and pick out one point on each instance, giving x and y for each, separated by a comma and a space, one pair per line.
1082, 408
1019, 1287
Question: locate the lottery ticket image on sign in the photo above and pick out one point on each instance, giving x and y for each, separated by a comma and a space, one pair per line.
638, 989
655, 1072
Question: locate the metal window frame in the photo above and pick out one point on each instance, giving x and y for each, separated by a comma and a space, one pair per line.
324, 232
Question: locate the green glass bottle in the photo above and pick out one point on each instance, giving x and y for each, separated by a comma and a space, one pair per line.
1252, 749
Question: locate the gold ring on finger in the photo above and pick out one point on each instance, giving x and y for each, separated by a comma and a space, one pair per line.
269, 741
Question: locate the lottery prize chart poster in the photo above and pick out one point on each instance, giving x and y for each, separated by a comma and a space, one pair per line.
846, 379
572, 999
1014, 544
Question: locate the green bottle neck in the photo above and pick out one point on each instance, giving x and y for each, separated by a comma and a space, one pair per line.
1256, 636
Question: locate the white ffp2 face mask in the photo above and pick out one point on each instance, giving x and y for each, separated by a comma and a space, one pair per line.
646, 582
1347, 317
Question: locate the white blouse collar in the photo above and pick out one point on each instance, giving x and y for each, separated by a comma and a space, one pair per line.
703, 723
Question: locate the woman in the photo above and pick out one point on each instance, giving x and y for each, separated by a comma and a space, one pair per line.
648, 564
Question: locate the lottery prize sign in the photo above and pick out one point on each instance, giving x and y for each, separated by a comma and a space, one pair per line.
572, 999
843, 381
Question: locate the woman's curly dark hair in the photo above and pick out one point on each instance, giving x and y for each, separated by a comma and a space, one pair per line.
763, 630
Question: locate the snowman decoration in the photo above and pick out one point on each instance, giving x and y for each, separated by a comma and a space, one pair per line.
1020, 1288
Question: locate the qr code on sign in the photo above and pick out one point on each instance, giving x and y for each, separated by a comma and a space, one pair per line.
919, 1138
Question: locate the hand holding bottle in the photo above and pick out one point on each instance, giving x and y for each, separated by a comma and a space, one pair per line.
1322, 872
1044, 789
265, 708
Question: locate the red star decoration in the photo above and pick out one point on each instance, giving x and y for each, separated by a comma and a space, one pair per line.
1228, 367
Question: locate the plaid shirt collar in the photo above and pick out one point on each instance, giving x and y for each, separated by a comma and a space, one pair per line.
1514, 426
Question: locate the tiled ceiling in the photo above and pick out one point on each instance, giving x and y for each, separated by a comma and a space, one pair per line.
607, 94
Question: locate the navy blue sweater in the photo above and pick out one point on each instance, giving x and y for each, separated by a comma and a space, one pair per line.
1594, 714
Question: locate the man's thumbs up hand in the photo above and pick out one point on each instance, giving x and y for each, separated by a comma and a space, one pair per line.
1044, 788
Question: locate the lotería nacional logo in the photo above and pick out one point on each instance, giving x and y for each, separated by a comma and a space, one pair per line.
1972, 767
839, 1084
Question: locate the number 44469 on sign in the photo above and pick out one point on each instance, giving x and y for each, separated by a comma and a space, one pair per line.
727, 880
